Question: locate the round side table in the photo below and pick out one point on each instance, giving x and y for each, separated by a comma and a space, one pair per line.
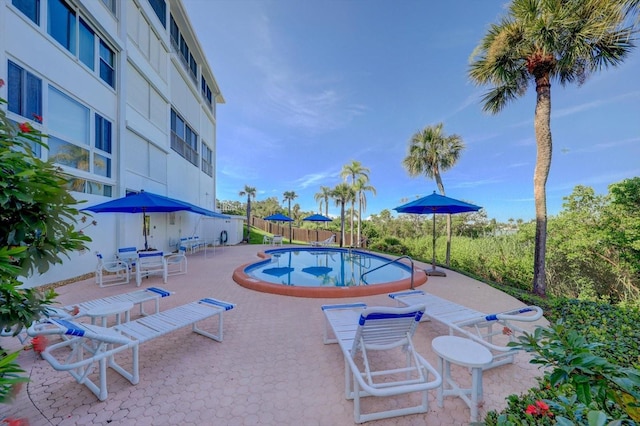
466, 353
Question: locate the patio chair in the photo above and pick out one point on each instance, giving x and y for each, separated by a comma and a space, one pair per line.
276, 240
137, 297
151, 263
128, 255
475, 325
111, 272
177, 263
93, 348
361, 331
324, 243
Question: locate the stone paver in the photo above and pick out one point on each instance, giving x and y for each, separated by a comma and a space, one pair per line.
271, 369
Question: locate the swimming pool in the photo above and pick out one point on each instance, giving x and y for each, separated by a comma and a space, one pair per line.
326, 272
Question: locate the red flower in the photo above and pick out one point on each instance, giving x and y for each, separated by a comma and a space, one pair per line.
39, 344
24, 127
542, 405
1, 82
507, 331
37, 118
16, 422
532, 409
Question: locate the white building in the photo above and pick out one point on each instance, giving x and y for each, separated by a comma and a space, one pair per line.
128, 99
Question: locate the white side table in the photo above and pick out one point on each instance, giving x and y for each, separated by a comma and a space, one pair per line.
104, 311
466, 353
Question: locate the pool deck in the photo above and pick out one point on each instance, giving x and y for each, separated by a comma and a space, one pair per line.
271, 369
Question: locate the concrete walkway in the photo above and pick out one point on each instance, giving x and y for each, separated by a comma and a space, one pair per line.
271, 369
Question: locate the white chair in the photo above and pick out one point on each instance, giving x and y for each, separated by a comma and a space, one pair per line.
360, 330
151, 263
177, 263
128, 255
324, 243
475, 325
93, 346
276, 240
111, 272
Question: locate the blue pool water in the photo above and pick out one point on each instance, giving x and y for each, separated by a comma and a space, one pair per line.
322, 267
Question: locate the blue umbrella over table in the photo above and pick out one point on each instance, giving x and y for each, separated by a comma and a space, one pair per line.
433, 204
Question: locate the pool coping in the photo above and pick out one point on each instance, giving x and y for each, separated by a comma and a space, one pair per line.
244, 280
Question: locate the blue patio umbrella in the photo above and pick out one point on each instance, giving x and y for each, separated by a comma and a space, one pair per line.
279, 217
433, 204
147, 202
317, 218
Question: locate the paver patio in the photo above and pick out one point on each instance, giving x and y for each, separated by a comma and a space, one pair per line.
271, 369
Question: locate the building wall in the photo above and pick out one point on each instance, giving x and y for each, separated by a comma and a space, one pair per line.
150, 79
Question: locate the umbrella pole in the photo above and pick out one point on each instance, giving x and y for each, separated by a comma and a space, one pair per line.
433, 271
144, 229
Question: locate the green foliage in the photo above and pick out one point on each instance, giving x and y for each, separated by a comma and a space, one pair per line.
585, 382
389, 245
37, 227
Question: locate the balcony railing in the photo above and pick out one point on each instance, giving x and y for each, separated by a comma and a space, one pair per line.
184, 149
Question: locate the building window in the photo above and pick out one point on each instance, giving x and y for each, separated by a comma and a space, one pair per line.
160, 8
107, 68
111, 5
184, 140
87, 42
61, 24
205, 90
71, 144
31, 9
89, 187
181, 46
103, 134
25, 93
207, 159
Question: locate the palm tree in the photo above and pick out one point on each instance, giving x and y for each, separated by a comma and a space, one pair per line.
354, 170
250, 192
323, 196
342, 194
539, 42
289, 196
430, 153
360, 188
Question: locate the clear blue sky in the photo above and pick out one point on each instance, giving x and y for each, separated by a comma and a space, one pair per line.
312, 85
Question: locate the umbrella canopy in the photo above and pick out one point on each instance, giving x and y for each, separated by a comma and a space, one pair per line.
147, 202
317, 270
317, 218
278, 272
280, 217
433, 204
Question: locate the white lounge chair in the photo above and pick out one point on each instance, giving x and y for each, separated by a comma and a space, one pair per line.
111, 272
151, 263
360, 330
324, 243
92, 348
276, 240
473, 324
138, 297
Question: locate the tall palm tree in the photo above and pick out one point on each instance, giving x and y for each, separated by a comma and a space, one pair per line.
250, 192
431, 152
323, 196
360, 188
342, 194
538, 42
289, 196
353, 171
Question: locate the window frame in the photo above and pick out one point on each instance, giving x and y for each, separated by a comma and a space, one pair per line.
26, 77
20, 5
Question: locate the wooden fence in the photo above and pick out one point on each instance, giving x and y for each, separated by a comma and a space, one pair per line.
318, 233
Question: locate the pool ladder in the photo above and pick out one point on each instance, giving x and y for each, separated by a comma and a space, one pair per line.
396, 260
